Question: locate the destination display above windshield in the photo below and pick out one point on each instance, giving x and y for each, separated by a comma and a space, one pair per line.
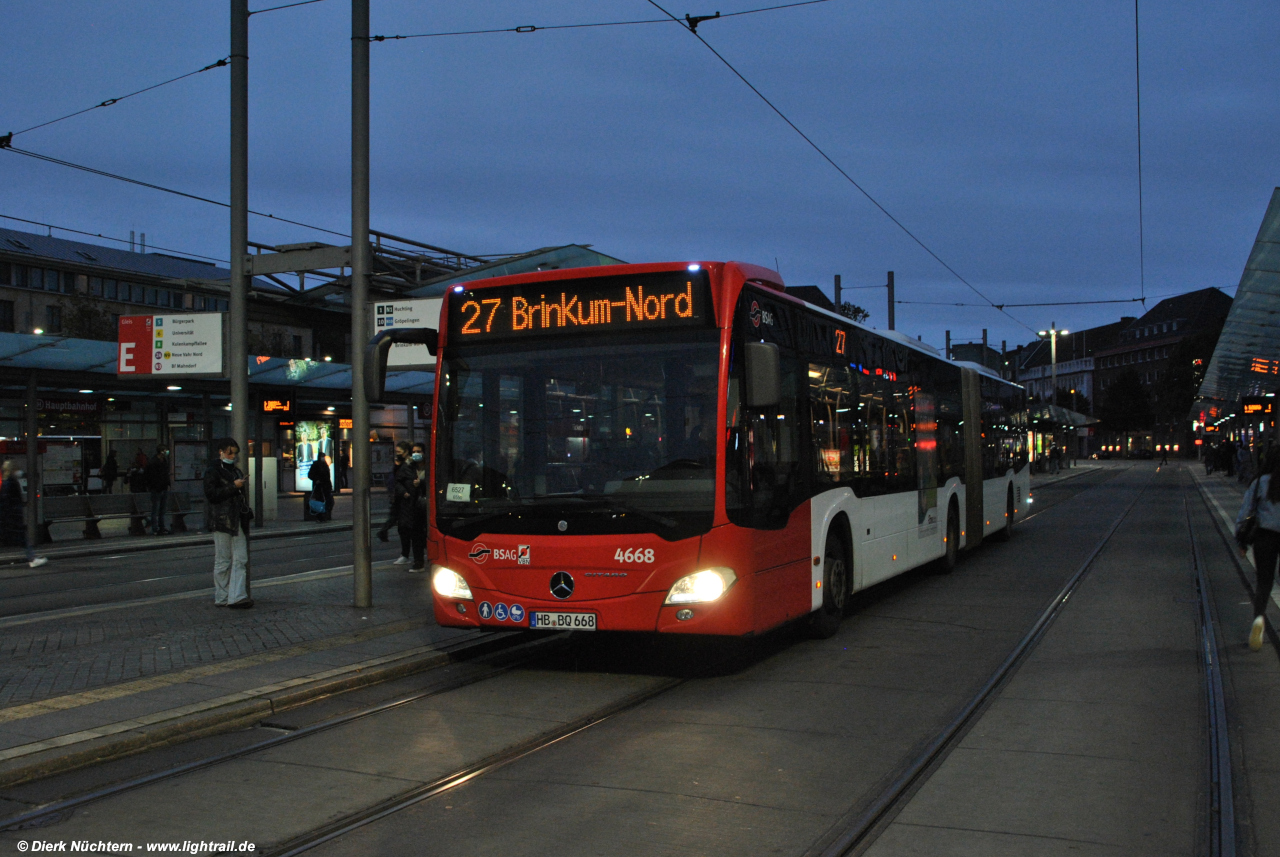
598, 305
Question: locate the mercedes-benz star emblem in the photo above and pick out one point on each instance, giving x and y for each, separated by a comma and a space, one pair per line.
561, 584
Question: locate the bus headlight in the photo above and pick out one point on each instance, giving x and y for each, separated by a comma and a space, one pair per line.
449, 583
701, 586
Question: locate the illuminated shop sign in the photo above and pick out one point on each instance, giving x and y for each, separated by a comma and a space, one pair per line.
665, 300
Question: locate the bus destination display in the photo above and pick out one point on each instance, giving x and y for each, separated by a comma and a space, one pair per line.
671, 299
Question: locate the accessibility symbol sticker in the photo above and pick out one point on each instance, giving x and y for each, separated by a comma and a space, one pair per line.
517, 613
486, 609
500, 612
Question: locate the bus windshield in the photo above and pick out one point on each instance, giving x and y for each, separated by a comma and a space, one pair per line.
611, 435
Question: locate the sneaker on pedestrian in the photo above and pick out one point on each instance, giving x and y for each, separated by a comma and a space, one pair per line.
417, 569
1255, 634
404, 560
38, 561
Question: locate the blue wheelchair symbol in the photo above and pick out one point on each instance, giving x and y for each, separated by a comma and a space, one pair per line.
500, 612
485, 609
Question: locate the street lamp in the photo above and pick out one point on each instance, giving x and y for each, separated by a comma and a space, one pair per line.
1053, 333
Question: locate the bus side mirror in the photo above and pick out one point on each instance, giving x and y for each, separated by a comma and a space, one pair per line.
762, 375
379, 349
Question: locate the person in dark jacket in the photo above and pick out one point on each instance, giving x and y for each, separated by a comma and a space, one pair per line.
393, 513
227, 516
109, 472
322, 486
13, 524
157, 479
417, 506
137, 475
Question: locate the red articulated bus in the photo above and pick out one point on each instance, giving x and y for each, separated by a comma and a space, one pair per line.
687, 448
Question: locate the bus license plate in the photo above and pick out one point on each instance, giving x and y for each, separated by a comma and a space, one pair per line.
562, 621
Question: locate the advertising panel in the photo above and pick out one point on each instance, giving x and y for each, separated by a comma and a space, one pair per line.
186, 344
424, 312
312, 439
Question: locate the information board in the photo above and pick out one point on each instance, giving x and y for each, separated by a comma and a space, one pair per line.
187, 344
424, 312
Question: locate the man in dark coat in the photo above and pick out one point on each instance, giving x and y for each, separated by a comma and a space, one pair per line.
322, 486
13, 523
227, 516
393, 513
110, 472
411, 490
157, 479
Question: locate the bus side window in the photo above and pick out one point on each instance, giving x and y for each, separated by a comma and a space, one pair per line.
833, 399
774, 466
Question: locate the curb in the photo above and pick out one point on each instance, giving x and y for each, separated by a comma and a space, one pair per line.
237, 715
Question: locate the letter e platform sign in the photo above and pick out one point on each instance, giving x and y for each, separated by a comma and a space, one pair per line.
188, 345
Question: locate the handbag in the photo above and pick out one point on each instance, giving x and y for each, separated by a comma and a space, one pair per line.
1247, 530
317, 506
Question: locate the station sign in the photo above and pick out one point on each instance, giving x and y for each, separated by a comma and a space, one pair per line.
1258, 406
186, 345
277, 406
422, 312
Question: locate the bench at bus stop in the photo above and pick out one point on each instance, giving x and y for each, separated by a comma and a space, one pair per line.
91, 509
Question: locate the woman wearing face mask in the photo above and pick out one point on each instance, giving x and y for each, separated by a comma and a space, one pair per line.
13, 524
412, 485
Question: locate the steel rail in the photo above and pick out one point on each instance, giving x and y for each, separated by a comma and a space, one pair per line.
859, 832
1222, 814
520, 645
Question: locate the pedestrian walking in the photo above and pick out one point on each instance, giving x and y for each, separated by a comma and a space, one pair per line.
13, 523
109, 472
1258, 525
227, 515
403, 450
158, 482
322, 486
1164, 455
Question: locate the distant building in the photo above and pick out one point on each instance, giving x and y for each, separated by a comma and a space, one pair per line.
1077, 352
1146, 344
976, 352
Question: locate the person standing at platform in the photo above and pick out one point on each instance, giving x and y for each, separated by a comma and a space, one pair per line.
13, 523
322, 486
109, 472
418, 507
1263, 500
393, 512
227, 515
157, 478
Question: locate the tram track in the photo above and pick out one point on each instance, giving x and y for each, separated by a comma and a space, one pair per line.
518, 653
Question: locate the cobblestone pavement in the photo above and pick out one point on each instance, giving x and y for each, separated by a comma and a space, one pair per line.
59, 655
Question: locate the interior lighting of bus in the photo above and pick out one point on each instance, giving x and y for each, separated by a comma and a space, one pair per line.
606, 303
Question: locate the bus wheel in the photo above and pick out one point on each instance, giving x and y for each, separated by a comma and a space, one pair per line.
1006, 532
835, 586
951, 552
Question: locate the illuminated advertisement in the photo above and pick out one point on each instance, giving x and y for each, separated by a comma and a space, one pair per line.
670, 299
312, 439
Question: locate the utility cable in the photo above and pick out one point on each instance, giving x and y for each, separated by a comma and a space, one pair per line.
530, 28
1048, 303
694, 32
1137, 79
110, 101
164, 189
285, 6
51, 227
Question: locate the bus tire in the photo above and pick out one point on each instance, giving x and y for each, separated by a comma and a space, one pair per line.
1006, 532
825, 621
951, 548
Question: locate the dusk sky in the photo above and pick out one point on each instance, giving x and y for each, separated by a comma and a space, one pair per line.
1002, 134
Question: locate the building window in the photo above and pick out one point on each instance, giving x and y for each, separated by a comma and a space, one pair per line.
53, 319
152, 298
6, 274
95, 286
165, 297
126, 291
6, 316
52, 281
109, 289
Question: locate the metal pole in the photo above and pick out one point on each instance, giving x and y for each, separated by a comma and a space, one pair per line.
257, 465
33, 481
890, 287
361, 559
984, 348
237, 350
1053, 358
837, 294
948, 351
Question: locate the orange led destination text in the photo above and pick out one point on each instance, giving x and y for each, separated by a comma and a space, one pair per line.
571, 311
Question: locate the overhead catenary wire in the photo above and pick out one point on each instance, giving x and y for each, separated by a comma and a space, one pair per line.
52, 226
110, 101
693, 31
1137, 79
533, 28
1046, 303
285, 6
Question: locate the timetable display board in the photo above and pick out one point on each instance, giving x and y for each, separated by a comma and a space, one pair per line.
185, 344
597, 305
